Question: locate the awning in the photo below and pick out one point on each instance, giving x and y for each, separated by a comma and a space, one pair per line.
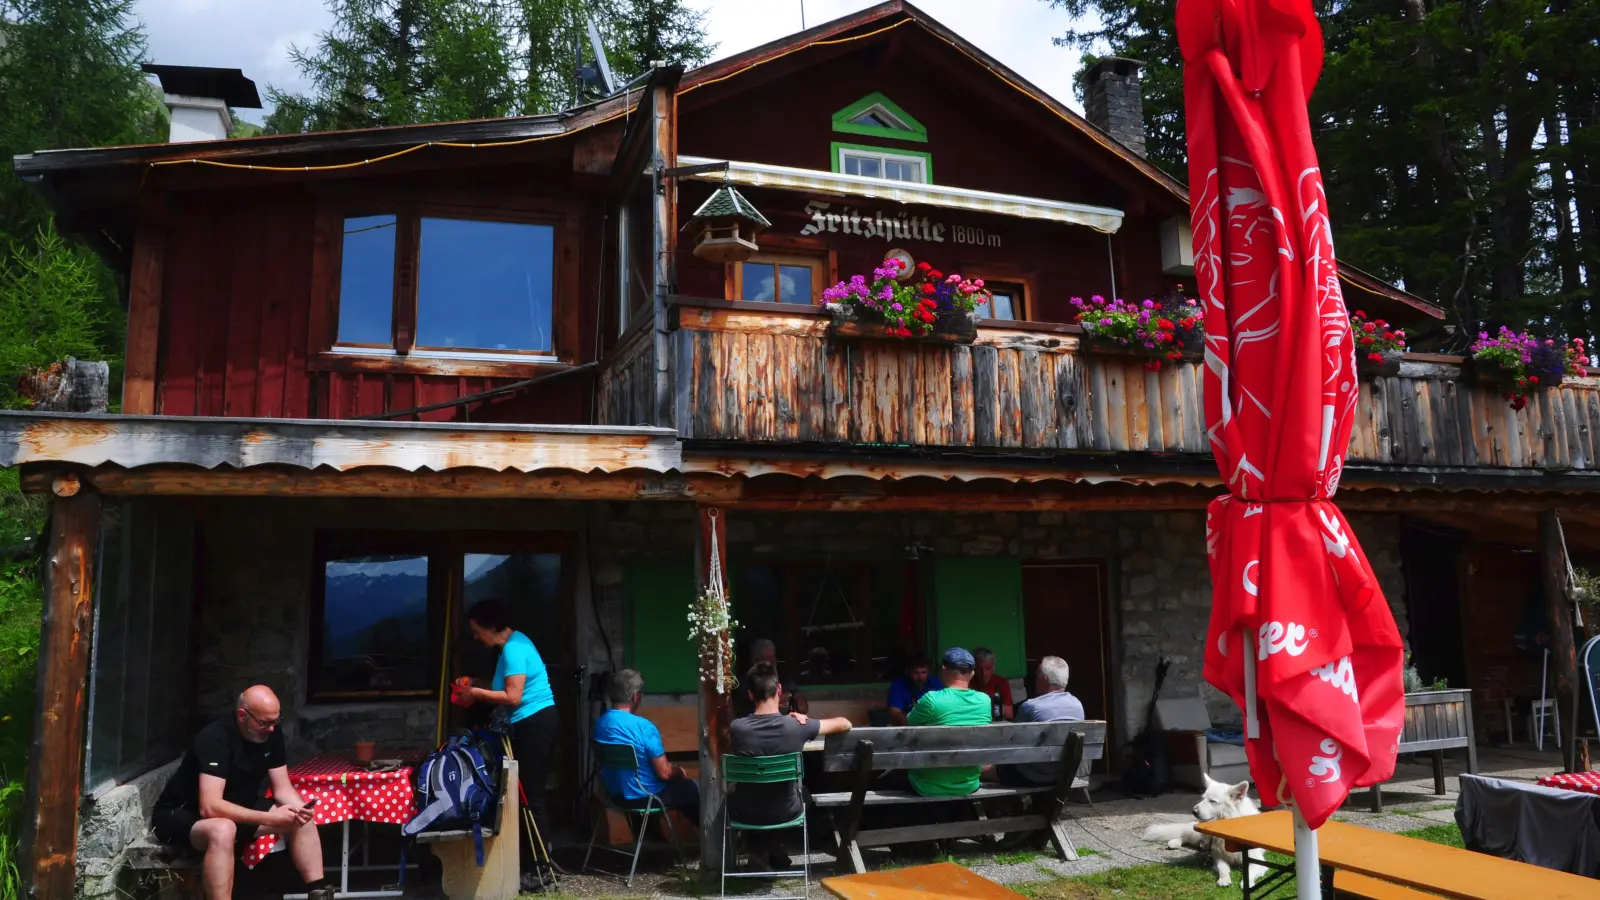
1101, 218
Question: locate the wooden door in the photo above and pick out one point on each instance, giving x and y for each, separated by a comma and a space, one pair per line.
1065, 615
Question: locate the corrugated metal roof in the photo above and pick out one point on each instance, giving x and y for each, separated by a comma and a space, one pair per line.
131, 441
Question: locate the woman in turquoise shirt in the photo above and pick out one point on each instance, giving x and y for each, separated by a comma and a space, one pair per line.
521, 683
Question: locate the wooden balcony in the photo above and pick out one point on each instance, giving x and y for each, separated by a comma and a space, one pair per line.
770, 374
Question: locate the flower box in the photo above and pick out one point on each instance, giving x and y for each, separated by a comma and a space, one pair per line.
908, 303
1387, 367
847, 329
1154, 331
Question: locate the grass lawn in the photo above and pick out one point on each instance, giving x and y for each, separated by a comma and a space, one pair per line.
1190, 879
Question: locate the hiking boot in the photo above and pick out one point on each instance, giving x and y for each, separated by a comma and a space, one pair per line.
531, 883
321, 893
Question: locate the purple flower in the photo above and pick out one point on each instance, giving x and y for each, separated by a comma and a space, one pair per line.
896, 307
1149, 304
1105, 321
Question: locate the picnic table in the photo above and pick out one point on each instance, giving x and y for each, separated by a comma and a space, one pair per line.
345, 792
1380, 857
945, 879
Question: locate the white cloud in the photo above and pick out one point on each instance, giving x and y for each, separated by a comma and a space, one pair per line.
255, 35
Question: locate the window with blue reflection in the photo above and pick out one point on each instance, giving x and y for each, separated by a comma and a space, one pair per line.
485, 285
366, 281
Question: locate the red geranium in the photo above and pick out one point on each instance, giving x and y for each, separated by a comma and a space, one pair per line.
1370, 327
1375, 357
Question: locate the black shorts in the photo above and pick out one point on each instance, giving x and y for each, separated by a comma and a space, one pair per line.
173, 824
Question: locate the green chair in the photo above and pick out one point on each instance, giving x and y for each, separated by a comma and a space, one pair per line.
622, 758
779, 769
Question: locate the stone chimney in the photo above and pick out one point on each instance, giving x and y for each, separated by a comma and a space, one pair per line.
199, 99
1114, 101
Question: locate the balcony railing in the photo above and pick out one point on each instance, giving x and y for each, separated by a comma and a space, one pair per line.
768, 374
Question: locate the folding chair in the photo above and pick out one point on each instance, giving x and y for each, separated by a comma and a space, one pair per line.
621, 758
766, 770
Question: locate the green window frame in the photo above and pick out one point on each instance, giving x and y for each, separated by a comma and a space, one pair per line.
837, 162
912, 130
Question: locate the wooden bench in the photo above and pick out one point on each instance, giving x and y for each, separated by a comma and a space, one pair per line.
1354, 884
179, 865
864, 751
500, 876
1436, 721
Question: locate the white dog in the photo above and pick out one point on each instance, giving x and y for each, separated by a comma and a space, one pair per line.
1220, 801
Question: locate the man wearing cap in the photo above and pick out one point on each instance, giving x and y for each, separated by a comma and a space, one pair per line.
956, 704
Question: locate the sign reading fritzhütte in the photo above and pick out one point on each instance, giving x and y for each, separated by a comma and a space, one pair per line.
891, 226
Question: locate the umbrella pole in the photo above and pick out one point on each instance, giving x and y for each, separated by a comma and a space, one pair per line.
1252, 726
1307, 861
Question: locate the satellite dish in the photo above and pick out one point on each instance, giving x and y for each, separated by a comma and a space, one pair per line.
597, 72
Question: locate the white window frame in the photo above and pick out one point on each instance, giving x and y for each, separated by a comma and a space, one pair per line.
883, 156
880, 111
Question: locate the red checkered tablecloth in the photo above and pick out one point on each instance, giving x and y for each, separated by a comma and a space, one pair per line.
1586, 782
343, 791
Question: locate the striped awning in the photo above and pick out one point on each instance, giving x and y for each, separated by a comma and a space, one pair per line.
1101, 218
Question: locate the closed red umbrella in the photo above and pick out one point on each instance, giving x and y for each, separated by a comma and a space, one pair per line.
1301, 635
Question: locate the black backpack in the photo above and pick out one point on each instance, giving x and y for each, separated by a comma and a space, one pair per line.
1149, 772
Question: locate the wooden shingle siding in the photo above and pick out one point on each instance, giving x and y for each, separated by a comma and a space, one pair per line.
774, 377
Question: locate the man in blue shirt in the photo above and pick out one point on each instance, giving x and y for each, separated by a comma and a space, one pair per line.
905, 691
622, 725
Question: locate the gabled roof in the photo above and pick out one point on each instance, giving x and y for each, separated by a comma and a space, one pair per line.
399, 140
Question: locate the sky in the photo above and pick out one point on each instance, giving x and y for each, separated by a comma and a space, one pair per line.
255, 35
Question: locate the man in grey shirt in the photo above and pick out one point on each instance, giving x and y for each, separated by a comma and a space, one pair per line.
1053, 704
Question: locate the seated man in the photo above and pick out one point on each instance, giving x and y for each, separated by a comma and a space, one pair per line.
957, 704
214, 801
767, 732
905, 691
998, 689
764, 651
1053, 704
622, 725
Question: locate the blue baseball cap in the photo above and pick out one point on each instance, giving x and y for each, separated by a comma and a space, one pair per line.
958, 658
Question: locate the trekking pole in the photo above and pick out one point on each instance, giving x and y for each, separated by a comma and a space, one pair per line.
532, 823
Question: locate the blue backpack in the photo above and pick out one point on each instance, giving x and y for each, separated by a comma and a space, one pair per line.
455, 791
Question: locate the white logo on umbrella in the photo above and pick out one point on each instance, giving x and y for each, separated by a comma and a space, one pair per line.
1340, 674
1334, 540
1276, 636
1327, 765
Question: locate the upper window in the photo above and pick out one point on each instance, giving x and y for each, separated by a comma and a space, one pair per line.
877, 116
446, 283
871, 162
779, 278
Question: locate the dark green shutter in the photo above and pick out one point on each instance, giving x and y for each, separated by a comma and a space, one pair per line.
977, 602
659, 592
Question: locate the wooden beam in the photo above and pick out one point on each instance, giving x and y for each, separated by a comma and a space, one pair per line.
144, 313
186, 481
1563, 650
716, 714
663, 243
55, 778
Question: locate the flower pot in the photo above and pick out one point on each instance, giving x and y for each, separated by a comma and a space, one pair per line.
1388, 367
1488, 373
849, 322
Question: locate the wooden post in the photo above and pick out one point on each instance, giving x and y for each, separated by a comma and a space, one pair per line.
1563, 651
715, 709
144, 312
663, 155
49, 857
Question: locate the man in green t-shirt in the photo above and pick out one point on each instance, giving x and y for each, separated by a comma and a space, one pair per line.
957, 704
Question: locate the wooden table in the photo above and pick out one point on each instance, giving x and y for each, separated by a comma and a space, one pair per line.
1448, 871
943, 879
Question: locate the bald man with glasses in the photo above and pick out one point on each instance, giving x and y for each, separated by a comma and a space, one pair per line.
214, 802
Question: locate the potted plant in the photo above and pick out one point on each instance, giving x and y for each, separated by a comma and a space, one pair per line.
914, 304
1164, 331
1379, 347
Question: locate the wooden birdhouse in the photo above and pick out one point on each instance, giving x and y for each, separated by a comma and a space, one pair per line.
726, 226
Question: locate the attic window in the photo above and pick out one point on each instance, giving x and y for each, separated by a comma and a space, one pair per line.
877, 116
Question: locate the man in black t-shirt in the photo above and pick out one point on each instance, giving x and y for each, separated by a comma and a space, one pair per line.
791, 700
214, 801
766, 732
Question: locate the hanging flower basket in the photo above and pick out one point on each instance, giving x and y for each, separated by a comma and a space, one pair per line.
1158, 332
927, 304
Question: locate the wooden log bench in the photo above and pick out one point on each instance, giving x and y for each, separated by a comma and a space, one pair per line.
1436, 721
865, 751
500, 876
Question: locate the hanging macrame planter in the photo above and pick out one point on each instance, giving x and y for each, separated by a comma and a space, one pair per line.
711, 625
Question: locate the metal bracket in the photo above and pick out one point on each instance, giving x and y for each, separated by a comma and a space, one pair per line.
687, 171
